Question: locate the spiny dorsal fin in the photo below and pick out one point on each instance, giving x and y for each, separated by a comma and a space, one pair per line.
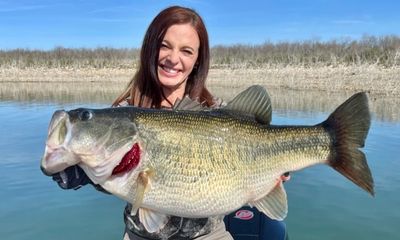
274, 205
187, 104
255, 101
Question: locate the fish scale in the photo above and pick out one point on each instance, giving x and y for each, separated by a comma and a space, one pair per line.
227, 163
206, 162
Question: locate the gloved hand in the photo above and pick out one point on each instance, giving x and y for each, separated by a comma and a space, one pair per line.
71, 178
74, 178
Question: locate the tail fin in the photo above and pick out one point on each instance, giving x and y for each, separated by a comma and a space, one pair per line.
349, 125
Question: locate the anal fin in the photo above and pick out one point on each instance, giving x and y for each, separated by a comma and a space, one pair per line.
274, 204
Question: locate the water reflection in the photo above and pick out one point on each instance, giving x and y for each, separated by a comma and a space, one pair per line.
383, 107
59, 92
314, 194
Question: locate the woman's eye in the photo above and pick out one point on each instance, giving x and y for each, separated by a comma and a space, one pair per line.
188, 52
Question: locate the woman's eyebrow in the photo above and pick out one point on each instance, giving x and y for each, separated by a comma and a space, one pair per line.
190, 48
165, 41
185, 46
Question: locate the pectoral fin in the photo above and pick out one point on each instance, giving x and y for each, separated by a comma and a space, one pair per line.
143, 185
152, 221
274, 204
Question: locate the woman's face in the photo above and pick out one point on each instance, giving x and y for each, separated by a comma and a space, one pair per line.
178, 55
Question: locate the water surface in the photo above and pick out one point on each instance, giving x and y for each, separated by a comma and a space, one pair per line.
322, 203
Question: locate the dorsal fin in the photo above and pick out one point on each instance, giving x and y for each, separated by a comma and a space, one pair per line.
255, 101
187, 104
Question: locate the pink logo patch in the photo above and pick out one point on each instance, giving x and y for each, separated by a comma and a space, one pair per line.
244, 214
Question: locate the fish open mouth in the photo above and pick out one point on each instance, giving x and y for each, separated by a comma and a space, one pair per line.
130, 160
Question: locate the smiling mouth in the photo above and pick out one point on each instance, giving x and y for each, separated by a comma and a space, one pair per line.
130, 161
168, 69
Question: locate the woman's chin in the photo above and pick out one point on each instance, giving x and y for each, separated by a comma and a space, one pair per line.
169, 82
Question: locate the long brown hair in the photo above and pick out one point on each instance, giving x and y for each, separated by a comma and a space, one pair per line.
144, 89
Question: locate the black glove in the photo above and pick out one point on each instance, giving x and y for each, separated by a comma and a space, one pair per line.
71, 178
74, 178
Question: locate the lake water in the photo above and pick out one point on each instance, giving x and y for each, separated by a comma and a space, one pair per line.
322, 203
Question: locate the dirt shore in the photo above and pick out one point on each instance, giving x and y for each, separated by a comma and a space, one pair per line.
374, 79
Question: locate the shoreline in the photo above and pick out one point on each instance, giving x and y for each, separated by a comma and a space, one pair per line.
373, 79
291, 88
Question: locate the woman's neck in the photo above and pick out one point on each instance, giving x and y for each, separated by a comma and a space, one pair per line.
171, 95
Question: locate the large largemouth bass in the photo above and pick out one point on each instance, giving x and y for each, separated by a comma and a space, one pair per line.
206, 162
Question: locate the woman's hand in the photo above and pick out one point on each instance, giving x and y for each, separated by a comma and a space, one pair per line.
71, 178
285, 177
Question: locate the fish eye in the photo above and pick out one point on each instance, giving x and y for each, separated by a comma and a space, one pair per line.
85, 115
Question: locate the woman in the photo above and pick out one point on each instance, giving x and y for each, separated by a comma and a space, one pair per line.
174, 62
174, 66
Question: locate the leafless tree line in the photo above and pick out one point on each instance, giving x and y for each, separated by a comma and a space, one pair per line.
61, 57
383, 51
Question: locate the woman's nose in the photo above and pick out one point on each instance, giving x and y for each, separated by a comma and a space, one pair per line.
173, 57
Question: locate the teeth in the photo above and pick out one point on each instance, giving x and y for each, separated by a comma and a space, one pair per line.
170, 70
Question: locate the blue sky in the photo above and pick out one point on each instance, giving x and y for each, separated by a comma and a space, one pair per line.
45, 24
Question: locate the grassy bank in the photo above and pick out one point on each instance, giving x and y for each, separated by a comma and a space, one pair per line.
369, 64
372, 78
369, 50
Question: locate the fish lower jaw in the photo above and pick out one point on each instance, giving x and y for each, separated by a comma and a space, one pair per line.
57, 159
